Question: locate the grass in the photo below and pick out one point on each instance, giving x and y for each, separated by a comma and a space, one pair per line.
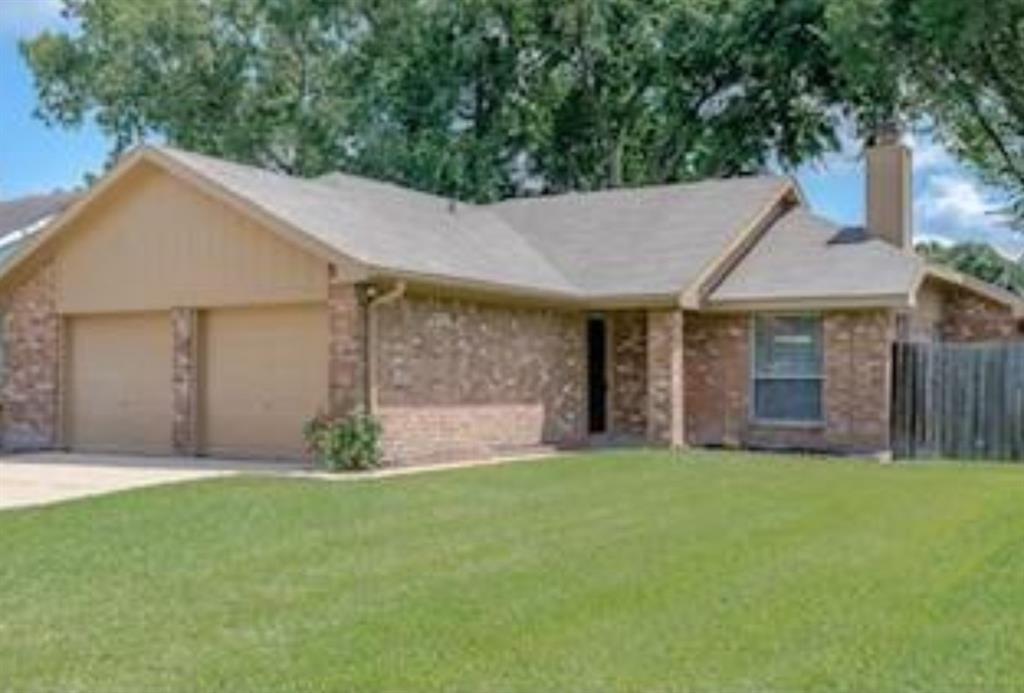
624, 571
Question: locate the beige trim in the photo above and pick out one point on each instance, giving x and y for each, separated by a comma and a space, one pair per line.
499, 293
817, 303
798, 190
129, 164
708, 279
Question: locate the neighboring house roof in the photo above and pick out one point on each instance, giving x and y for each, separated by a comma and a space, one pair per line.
23, 212
725, 243
805, 257
22, 216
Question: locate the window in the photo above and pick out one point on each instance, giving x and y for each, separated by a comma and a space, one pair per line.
788, 368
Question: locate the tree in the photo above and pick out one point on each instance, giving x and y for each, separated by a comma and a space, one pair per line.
477, 99
977, 260
957, 63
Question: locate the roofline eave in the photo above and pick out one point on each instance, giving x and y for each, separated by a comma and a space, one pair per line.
350, 266
825, 302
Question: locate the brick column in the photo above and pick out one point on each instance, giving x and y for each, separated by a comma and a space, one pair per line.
185, 380
346, 355
665, 419
32, 351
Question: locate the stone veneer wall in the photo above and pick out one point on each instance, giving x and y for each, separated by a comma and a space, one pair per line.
628, 382
345, 353
32, 349
185, 380
967, 317
858, 366
459, 378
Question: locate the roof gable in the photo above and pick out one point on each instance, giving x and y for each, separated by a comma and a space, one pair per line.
804, 258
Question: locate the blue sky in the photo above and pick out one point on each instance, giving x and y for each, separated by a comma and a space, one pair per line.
949, 202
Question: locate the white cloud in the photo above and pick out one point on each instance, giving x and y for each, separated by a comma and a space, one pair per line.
25, 18
951, 205
929, 155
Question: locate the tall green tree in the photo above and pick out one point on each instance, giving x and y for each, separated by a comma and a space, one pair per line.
958, 63
477, 99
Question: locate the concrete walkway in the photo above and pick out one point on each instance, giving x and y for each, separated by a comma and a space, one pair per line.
40, 479
45, 478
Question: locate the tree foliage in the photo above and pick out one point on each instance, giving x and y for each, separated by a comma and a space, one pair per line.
482, 99
977, 260
958, 63
473, 98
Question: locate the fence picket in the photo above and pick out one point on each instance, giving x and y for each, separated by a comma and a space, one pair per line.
961, 401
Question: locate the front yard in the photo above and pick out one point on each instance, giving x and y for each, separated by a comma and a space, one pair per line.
625, 571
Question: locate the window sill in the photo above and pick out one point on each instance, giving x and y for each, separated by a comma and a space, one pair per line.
793, 425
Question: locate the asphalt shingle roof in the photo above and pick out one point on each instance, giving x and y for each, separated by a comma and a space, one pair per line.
390, 228
642, 241
803, 256
622, 243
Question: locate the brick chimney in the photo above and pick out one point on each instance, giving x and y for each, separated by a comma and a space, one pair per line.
889, 191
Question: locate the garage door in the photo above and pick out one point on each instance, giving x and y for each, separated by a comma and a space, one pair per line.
119, 375
263, 374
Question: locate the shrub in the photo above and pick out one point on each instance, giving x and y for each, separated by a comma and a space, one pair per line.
346, 443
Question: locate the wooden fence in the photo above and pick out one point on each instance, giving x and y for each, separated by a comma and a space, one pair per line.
959, 401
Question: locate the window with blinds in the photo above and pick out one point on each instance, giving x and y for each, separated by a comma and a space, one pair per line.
788, 368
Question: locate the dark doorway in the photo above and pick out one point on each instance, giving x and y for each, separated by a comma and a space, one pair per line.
597, 382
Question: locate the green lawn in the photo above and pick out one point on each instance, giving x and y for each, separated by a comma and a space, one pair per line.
625, 571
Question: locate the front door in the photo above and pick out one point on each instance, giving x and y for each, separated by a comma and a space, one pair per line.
597, 382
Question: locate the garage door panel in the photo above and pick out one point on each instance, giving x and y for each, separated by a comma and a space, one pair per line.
120, 397
264, 373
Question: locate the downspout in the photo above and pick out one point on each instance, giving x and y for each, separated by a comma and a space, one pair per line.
374, 301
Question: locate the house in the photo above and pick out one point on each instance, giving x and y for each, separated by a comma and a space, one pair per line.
191, 305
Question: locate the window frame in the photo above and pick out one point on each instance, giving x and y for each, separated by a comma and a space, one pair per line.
754, 377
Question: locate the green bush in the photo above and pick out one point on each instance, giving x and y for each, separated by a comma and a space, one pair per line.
348, 443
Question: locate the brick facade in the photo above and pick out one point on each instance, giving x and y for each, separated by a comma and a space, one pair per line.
857, 370
717, 379
628, 369
968, 317
32, 350
459, 378
346, 351
185, 380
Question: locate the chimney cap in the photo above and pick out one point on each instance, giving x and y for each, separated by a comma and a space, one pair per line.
887, 132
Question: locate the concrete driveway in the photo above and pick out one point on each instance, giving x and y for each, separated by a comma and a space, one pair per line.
40, 479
